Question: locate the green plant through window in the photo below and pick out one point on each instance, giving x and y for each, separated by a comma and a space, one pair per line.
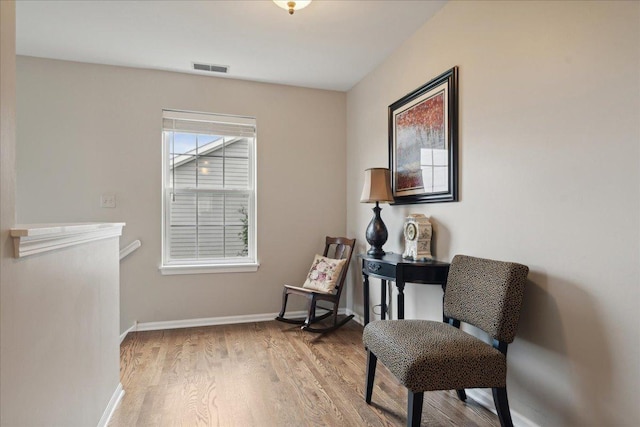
244, 234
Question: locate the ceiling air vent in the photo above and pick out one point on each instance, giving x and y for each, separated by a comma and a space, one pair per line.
211, 68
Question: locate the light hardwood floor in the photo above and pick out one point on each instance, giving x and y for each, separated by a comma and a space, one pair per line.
267, 374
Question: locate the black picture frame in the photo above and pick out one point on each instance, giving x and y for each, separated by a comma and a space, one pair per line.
423, 142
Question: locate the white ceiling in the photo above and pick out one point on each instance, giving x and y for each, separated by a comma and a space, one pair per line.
328, 45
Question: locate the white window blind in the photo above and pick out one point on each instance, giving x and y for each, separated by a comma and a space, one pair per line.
209, 190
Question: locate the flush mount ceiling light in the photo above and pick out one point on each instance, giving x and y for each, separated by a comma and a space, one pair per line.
292, 6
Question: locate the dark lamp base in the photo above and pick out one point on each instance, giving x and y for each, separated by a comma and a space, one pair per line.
376, 234
376, 252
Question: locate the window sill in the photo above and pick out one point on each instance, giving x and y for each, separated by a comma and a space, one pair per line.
167, 270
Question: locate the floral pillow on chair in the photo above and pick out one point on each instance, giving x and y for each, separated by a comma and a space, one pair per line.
324, 274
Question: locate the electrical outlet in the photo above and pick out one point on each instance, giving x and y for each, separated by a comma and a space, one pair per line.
108, 201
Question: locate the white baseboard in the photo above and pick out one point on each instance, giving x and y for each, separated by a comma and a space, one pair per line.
485, 398
212, 321
124, 334
356, 317
116, 397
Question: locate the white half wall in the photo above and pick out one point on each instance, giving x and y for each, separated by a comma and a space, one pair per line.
60, 339
85, 130
549, 177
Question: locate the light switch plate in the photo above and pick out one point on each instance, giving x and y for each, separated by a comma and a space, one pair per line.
108, 201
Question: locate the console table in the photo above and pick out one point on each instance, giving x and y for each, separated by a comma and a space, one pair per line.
394, 268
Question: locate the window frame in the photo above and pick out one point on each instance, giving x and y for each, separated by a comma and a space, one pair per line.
250, 263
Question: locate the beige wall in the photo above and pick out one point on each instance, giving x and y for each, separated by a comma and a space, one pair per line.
59, 357
549, 177
84, 130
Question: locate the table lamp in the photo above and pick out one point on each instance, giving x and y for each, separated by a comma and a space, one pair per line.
377, 188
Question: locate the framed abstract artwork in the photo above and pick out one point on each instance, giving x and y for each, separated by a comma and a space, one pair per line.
423, 142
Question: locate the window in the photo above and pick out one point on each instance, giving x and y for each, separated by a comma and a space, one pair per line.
209, 199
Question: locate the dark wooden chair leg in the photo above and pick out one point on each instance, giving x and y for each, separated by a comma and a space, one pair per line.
371, 373
311, 313
462, 395
285, 296
502, 406
281, 318
414, 409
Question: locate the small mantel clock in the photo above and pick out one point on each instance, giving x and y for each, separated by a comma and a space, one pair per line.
417, 237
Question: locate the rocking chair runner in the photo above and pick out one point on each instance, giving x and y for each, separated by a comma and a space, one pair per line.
337, 248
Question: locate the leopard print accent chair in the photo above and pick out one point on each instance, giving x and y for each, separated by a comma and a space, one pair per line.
427, 355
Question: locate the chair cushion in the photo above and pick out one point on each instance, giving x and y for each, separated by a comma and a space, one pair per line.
425, 355
305, 291
324, 273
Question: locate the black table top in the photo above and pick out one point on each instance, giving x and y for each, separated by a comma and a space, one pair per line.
396, 259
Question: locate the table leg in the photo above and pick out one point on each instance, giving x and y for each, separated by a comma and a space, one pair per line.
365, 303
445, 319
400, 286
383, 299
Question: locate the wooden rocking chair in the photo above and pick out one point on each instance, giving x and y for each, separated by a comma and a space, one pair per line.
337, 248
